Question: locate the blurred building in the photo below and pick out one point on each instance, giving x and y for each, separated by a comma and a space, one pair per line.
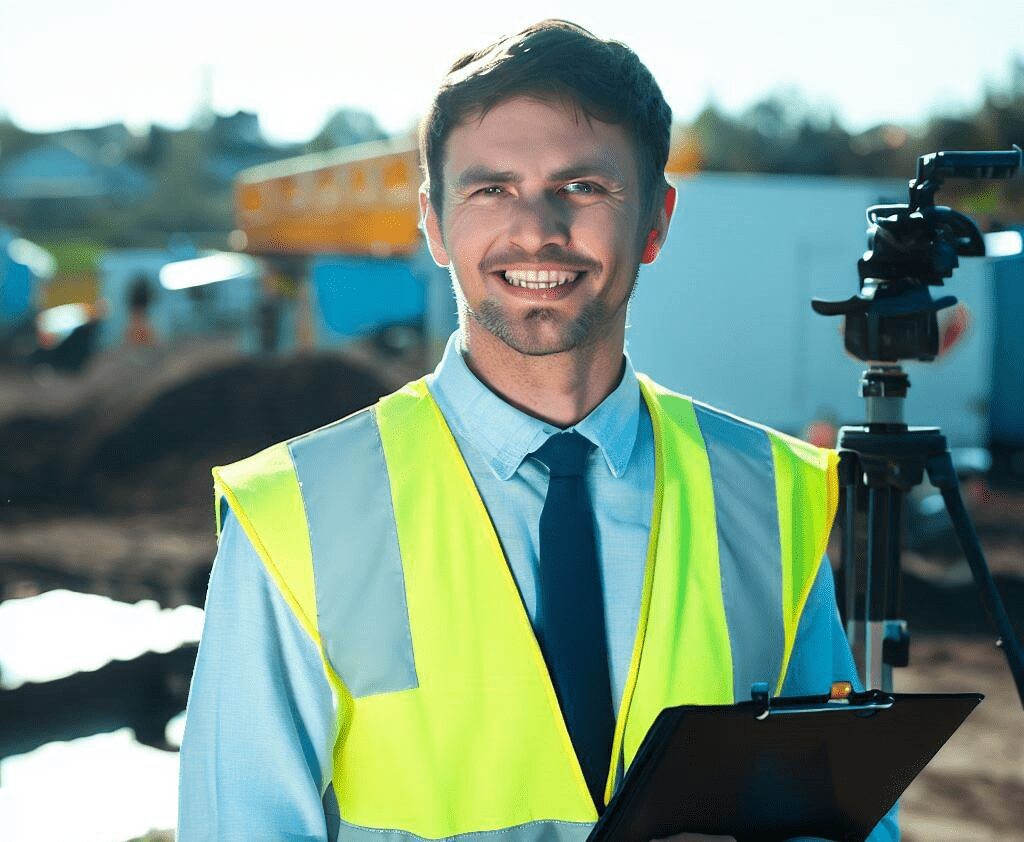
69, 177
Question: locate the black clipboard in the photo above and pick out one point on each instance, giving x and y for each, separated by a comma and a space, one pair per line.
770, 770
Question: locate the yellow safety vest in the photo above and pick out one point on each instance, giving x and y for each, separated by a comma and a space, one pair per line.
448, 723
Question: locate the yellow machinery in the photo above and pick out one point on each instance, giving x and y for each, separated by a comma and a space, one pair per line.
355, 200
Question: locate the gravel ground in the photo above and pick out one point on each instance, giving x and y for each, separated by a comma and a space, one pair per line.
973, 790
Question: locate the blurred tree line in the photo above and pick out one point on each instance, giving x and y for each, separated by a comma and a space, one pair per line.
784, 134
190, 171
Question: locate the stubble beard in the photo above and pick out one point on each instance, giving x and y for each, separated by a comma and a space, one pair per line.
531, 334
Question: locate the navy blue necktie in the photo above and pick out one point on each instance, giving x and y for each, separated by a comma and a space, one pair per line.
571, 627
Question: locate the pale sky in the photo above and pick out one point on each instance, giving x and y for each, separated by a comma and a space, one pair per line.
71, 63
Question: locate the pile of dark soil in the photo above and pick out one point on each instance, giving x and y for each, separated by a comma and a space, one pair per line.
145, 431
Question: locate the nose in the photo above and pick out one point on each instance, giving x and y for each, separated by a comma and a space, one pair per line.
537, 222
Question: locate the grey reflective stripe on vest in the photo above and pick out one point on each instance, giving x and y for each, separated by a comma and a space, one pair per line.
549, 831
749, 552
338, 830
360, 584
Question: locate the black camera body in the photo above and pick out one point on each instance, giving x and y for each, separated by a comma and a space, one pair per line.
912, 247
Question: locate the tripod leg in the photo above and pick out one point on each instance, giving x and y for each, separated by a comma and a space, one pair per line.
848, 547
892, 553
895, 637
943, 477
877, 674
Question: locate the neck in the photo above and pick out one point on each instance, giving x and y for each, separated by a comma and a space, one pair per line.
561, 389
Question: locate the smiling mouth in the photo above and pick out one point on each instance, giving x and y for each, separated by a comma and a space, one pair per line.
538, 279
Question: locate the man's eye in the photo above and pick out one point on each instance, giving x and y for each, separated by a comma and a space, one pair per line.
580, 188
491, 190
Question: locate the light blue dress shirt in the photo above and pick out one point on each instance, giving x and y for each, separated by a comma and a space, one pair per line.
256, 755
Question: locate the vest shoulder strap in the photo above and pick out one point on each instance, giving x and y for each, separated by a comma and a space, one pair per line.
264, 496
804, 461
805, 478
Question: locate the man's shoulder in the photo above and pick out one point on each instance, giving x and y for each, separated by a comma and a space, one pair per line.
679, 407
341, 447
268, 484
349, 430
348, 434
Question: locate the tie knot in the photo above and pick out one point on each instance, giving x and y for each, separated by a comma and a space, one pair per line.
564, 454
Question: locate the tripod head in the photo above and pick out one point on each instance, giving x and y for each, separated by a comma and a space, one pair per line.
912, 247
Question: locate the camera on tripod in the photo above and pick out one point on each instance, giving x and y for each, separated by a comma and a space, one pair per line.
893, 317
910, 248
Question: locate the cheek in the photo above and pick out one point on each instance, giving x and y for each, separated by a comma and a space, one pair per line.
471, 225
606, 232
472, 234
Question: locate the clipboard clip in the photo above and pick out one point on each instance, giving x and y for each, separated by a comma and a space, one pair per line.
840, 697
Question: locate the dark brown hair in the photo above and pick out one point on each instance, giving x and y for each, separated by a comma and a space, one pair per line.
554, 59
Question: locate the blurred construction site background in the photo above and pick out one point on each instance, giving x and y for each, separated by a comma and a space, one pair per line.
172, 298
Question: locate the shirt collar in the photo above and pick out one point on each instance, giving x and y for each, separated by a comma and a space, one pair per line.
504, 435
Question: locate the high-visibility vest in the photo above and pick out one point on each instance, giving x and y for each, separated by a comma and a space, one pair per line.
448, 723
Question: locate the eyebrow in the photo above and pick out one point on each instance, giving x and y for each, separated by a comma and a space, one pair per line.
581, 169
479, 174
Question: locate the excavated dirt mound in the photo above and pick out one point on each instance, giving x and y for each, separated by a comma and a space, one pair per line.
141, 431
105, 480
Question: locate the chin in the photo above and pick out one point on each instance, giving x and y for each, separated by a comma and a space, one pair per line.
541, 331
535, 340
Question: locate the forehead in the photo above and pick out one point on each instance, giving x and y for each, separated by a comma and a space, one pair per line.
534, 137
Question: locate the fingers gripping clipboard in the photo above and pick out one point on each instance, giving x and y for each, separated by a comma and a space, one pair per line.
772, 770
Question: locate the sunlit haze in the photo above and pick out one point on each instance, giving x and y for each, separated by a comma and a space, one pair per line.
68, 64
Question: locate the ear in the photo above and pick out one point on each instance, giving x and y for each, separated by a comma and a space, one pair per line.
431, 226
657, 234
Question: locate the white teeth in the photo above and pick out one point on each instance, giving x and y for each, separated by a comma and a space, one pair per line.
542, 279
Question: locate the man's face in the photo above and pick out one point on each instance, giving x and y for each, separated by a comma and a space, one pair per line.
540, 226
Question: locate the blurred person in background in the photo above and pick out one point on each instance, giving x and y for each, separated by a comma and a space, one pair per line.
269, 314
458, 611
139, 330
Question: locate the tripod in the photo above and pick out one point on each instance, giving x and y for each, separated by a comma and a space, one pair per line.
891, 458
911, 247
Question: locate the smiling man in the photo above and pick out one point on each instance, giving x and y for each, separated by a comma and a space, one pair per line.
456, 613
